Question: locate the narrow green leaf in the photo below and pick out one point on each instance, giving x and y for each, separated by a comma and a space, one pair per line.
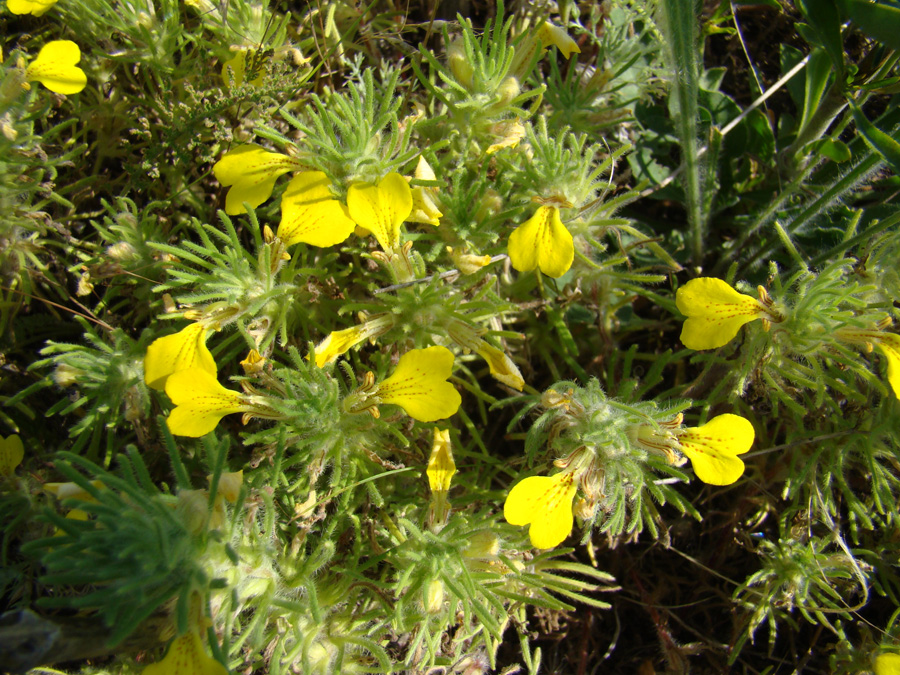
882, 143
818, 71
878, 20
823, 17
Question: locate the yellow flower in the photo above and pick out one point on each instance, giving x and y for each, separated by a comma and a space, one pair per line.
716, 312
424, 208
310, 213
339, 341
551, 34
35, 7
887, 343
246, 65
179, 351
546, 503
254, 363
11, 454
542, 242
441, 466
200, 402
468, 263
714, 448
502, 367
887, 663
55, 68
230, 485
508, 133
469, 338
419, 385
73, 490
250, 171
381, 209
186, 656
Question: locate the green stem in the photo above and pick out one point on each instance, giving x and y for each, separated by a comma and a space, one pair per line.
679, 26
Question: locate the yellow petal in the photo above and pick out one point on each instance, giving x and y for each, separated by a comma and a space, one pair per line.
715, 312
35, 7
230, 485
382, 208
466, 262
236, 68
508, 133
887, 663
339, 341
310, 213
73, 490
502, 367
551, 34
55, 68
543, 242
889, 345
180, 351
11, 454
200, 402
425, 209
254, 363
713, 448
441, 466
186, 657
419, 385
546, 503
251, 172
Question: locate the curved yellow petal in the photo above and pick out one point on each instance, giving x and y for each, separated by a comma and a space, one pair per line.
551, 34
35, 7
11, 454
55, 68
419, 385
502, 367
180, 351
425, 209
713, 448
887, 663
543, 242
186, 656
310, 213
251, 172
889, 345
715, 312
546, 503
441, 466
337, 343
200, 402
382, 208
508, 134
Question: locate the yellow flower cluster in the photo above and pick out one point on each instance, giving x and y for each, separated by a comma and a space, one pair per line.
716, 312
546, 502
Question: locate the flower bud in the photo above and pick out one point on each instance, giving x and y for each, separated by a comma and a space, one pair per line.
459, 63
434, 596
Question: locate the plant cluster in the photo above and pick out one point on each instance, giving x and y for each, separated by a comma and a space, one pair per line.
474, 286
